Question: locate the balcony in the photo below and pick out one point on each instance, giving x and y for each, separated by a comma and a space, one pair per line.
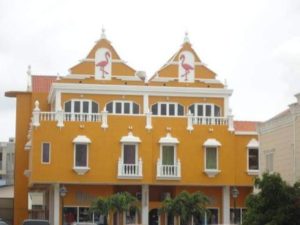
168, 172
60, 117
130, 171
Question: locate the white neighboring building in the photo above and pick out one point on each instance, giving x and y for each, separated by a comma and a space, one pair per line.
279, 140
7, 160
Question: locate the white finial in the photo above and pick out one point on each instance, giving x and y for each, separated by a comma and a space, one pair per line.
57, 76
103, 36
29, 78
225, 83
186, 38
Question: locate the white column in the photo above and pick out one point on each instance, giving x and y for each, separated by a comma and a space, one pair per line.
146, 103
57, 101
145, 204
226, 106
226, 205
56, 205
51, 205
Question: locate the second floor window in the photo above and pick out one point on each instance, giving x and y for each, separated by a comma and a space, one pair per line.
211, 158
81, 106
167, 109
81, 155
129, 154
168, 155
205, 110
122, 107
46, 153
253, 159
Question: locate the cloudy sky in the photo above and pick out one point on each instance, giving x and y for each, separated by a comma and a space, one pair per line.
254, 45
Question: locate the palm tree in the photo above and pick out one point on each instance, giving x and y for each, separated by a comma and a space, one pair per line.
187, 206
101, 206
123, 202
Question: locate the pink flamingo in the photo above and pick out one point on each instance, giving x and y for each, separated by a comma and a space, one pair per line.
187, 67
103, 64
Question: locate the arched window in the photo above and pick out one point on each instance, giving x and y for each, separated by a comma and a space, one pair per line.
205, 110
123, 107
167, 109
81, 106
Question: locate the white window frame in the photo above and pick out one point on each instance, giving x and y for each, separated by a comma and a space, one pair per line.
269, 154
42, 152
174, 149
204, 109
167, 108
81, 105
136, 151
135, 218
212, 143
114, 103
241, 213
251, 171
81, 140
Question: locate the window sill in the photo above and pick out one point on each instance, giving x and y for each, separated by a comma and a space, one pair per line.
81, 170
253, 172
168, 177
212, 173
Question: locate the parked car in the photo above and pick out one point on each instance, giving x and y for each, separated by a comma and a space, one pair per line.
2, 222
35, 222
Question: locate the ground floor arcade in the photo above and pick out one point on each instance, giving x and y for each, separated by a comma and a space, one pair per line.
73, 208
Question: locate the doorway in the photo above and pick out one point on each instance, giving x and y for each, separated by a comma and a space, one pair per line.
153, 217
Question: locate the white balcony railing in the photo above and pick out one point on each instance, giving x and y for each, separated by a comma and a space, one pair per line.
130, 171
82, 117
168, 172
201, 120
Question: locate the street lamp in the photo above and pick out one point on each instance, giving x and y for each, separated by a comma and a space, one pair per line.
235, 193
62, 192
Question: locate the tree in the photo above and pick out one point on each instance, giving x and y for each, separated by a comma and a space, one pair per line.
186, 205
277, 203
101, 206
123, 202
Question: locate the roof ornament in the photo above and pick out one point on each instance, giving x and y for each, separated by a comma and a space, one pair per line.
186, 38
29, 78
103, 35
57, 76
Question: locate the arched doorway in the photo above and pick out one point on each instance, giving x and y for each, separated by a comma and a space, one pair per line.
153, 217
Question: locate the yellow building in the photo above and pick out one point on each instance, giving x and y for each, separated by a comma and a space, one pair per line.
104, 128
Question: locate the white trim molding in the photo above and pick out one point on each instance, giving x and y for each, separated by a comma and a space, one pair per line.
82, 139
130, 139
211, 142
168, 139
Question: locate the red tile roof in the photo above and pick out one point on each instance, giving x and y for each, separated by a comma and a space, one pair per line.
245, 125
42, 83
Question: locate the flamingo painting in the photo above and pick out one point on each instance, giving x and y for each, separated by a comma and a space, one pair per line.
187, 67
102, 64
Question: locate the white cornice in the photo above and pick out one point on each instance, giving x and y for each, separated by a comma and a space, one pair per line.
246, 133
75, 88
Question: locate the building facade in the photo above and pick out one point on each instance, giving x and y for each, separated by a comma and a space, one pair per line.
280, 143
105, 128
7, 156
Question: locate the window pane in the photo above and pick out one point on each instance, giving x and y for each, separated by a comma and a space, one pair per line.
253, 159
180, 110
163, 109
85, 107
130, 217
200, 110
192, 109
171, 109
126, 107
68, 106
109, 107
118, 107
211, 158
168, 155
208, 110
213, 217
70, 215
154, 109
135, 108
235, 218
217, 111
46, 152
129, 154
84, 215
81, 155
94, 107
77, 106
